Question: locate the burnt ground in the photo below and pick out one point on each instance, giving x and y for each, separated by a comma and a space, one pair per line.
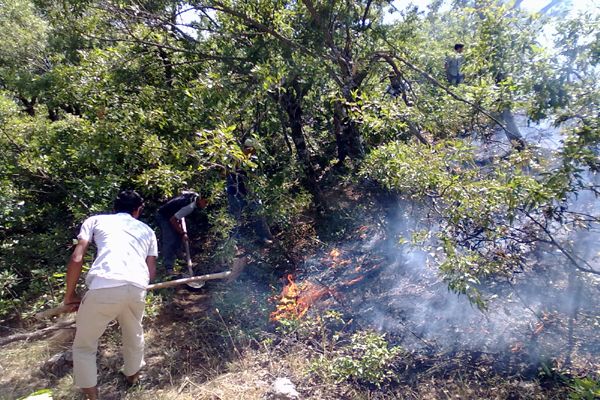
219, 343
396, 287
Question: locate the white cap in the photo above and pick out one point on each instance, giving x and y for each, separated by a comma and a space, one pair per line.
250, 143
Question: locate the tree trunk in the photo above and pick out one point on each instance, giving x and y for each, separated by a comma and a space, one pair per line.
347, 136
52, 114
166, 61
29, 105
356, 149
338, 116
42, 333
294, 112
290, 99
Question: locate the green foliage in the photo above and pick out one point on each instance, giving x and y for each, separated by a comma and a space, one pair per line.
96, 96
483, 230
366, 359
154, 302
584, 389
580, 388
43, 394
244, 310
9, 300
24, 41
218, 148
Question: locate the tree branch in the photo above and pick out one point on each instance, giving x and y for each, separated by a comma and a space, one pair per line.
548, 6
365, 14
567, 254
39, 334
447, 90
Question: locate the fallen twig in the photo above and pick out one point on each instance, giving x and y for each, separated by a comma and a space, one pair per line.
37, 334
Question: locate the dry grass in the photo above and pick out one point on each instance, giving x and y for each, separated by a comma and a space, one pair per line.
22, 369
16, 362
196, 352
251, 385
249, 377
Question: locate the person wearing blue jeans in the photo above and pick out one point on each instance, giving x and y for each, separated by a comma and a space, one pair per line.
169, 218
453, 65
237, 194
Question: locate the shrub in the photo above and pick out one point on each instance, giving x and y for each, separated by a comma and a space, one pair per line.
366, 359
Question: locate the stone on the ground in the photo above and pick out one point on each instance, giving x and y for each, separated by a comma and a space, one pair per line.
59, 364
283, 389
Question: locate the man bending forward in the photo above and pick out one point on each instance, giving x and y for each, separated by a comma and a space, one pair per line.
125, 263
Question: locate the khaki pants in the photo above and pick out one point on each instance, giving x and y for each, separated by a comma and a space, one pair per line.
98, 308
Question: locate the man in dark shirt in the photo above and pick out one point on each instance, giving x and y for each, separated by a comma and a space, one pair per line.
237, 197
169, 220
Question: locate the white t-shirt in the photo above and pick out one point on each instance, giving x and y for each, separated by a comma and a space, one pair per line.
185, 211
123, 243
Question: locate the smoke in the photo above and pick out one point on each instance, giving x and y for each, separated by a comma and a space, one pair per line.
549, 310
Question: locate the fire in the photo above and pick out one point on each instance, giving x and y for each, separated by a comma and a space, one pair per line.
539, 327
363, 232
335, 260
353, 281
517, 347
296, 299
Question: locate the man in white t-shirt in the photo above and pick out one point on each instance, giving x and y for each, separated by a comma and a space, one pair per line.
124, 265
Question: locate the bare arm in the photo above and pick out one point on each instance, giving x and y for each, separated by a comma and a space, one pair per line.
176, 224
151, 263
73, 272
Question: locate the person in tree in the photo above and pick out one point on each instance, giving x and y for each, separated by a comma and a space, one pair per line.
453, 65
169, 217
124, 265
237, 197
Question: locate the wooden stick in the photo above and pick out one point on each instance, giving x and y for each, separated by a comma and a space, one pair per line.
53, 311
182, 281
37, 334
200, 278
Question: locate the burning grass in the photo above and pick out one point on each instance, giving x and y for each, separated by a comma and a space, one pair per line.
530, 325
350, 364
234, 339
295, 300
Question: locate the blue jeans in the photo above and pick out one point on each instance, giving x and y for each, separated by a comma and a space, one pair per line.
170, 242
456, 79
237, 204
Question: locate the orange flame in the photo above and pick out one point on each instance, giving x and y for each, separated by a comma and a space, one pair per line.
295, 300
336, 260
353, 281
517, 347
